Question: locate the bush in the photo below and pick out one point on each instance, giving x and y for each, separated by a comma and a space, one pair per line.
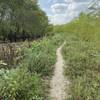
26, 81
82, 59
42, 56
19, 84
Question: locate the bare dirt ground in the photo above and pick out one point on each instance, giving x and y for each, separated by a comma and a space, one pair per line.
58, 81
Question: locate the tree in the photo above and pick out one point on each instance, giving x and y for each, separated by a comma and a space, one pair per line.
21, 19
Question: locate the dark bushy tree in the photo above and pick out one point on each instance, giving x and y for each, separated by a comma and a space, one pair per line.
21, 19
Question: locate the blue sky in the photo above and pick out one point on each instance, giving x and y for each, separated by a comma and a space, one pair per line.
63, 11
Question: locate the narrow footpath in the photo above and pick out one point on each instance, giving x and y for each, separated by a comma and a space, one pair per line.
58, 82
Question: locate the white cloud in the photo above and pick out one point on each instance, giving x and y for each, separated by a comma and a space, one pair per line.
82, 1
60, 19
69, 1
73, 6
59, 8
77, 7
65, 12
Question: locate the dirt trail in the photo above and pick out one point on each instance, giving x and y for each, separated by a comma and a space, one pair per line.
58, 81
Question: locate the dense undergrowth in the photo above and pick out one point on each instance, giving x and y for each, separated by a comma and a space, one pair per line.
86, 27
26, 82
83, 68
82, 57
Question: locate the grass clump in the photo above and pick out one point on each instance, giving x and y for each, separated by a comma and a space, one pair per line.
42, 56
19, 84
27, 80
83, 61
82, 56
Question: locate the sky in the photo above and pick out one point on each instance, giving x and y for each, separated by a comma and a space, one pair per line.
63, 11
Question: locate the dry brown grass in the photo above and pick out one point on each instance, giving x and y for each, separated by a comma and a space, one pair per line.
12, 53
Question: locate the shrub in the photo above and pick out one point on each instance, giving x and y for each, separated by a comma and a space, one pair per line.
82, 59
42, 56
26, 81
19, 84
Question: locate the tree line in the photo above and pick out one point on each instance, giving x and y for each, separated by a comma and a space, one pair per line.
21, 20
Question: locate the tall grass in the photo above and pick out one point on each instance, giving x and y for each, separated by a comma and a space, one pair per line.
26, 81
86, 27
83, 61
42, 56
82, 56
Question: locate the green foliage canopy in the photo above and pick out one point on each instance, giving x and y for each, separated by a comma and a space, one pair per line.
21, 19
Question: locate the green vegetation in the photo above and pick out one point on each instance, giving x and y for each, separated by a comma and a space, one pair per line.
27, 80
24, 68
86, 27
19, 84
21, 20
43, 55
83, 61
82, 57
